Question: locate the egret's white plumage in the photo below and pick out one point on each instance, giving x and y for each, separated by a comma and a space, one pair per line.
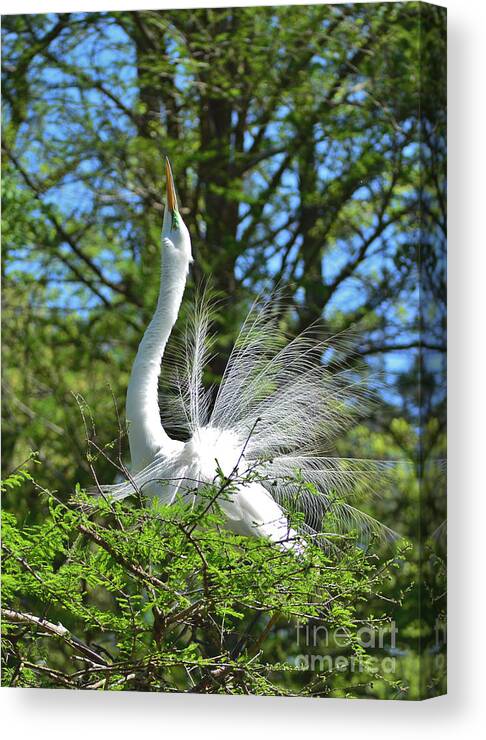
274, 415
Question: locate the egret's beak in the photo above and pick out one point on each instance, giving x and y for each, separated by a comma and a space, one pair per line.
171, 193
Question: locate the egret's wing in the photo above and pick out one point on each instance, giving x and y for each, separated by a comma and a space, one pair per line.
252, 511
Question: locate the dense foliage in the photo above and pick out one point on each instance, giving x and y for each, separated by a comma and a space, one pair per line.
164, 598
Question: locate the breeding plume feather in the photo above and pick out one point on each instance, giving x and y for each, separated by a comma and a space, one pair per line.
269, 426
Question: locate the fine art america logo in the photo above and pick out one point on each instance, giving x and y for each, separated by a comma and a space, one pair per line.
314, 638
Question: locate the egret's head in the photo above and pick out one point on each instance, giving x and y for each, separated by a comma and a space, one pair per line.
175, 234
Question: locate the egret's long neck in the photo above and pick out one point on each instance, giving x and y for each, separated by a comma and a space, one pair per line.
145, 431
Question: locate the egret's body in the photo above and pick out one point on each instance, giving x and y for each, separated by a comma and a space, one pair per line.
275, 406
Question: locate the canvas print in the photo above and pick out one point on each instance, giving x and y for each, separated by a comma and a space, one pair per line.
224, 351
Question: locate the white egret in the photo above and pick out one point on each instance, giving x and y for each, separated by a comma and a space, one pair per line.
275, 408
